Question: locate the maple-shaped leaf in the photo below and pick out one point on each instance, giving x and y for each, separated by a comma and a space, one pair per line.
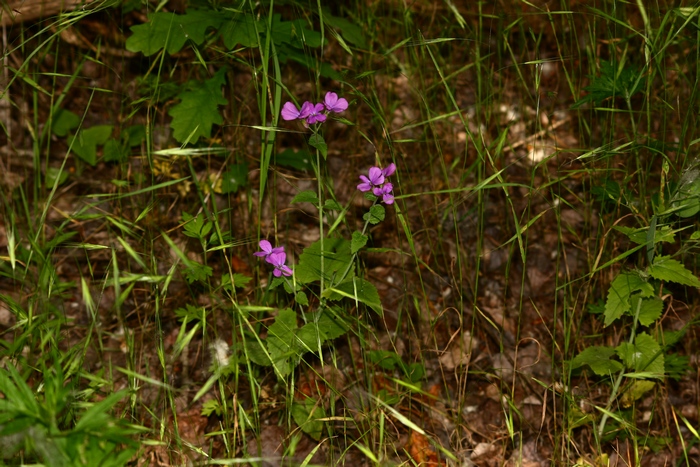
198, 109
618, 301
612, 82
170, 31
241, 29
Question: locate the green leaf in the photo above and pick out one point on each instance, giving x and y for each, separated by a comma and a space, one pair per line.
618, 301
63, 122
644, 356
332, 205
170, 31
280, 341
671, 270
639, 236
357, 289
241, 29
115, 151
53, 173
350, 31
300, 160
196, 272
337, 258
294, 33
317, 141
612, 83
358, 241
301, 298
332, 323
598, 358
385, 359
307, 196
650, 309
635, 391
191, 313
309, 416
134, 135
198, 109
196, 227
375, 215
234, 178
238, 281
688, 198
308, 338
85, 143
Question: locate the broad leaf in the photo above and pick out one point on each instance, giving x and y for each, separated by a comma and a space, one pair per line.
598, 358
644, 356
375, 215
85, 143
64, 121
357, 289
650, 309
671, 270
337, 258
280, 341
300, 160
198, 109
317, 141
309, 416
306, 196
170, 31
234, 178
618, 301
242, 29
358, 241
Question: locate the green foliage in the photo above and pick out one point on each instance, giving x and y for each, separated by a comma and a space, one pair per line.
375, 215
306, 197
309, 416
286, 343
234, 178
612, 82
198, 109
197, 227
170, 31
53, 427
358, 241
316, 141
85, 143
300, 160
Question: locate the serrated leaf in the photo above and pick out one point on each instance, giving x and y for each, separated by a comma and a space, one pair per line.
639, 236
375, 215
306, 196
688, 198
357, 289
170, 31
234, 178
618, 301
650, 309
644, 355
197, 227
671, 270
309, 417
196, 272
241, 29
256, 353
317, 141
198, 109
308, 338
63, 122
358, 241
598, 358
611, 83
85, 143
301, 298
191, 313
336, 256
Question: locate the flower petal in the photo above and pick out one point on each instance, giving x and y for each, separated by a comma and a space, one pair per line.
290, 111
389, 170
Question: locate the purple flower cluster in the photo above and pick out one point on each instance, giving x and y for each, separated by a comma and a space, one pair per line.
376, 182
275, 256
314, 113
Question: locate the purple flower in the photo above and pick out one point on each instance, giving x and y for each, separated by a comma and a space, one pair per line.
333, 104
278, 259
390, 169
267, 249
290, 111
315, 113
375, 179
385, 191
